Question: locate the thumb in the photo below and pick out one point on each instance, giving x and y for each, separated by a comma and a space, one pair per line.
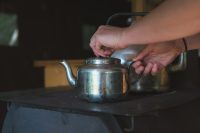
142, 54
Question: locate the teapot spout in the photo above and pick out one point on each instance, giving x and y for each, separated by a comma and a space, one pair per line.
71, 78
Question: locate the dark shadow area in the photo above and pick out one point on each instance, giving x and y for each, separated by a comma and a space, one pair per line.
49, 30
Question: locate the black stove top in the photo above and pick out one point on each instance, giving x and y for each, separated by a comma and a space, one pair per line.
67, 100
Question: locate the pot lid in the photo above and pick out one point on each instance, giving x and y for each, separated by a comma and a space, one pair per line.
99, 60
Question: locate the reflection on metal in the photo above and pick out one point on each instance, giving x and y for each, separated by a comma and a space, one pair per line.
70, 76
181, 63
100, 79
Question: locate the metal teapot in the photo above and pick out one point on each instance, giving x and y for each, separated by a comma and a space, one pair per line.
100, 79
157, 83
149, 83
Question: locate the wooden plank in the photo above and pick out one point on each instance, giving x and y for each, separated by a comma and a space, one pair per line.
138, 5
55, 74
56, 62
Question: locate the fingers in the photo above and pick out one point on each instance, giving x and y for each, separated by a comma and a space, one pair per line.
154, 69
95, 47
107, 51
142, 54
137, 64
106, 39
150, 68
99, 50
139, 68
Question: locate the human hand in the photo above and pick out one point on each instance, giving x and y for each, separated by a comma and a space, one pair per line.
155, 57
106, 40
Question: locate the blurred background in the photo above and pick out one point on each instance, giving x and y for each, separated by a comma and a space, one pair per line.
48, 30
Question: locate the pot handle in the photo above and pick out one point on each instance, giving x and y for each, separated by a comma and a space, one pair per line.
181, 63
128, 14
130, 69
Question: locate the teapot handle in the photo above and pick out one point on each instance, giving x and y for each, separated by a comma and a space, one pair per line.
130, 68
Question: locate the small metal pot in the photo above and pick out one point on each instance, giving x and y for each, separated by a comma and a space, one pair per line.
149, 83
100, 79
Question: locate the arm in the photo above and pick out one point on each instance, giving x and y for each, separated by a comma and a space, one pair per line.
155, 57
171, 20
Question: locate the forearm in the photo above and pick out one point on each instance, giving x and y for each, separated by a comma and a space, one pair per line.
173, 19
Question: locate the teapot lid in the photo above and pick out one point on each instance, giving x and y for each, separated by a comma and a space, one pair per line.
97, 60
